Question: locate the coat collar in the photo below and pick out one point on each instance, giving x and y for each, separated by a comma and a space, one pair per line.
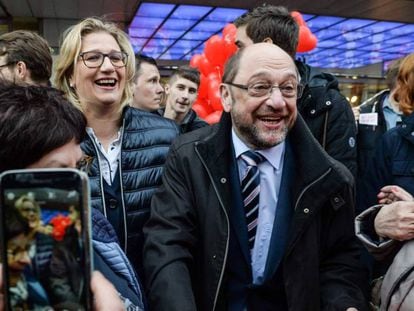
311, 161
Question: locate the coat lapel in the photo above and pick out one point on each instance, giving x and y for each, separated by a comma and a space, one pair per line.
283, 217
218, 154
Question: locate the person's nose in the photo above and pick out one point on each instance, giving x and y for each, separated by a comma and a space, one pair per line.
107, 65
160, 89
184, 94
276, 99
24, 258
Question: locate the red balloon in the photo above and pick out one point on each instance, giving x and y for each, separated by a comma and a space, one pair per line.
229, 49
203, 88
214, 77
306, 42
204, 65
313, 41
298, 18
214, 94
202, 108
214, 117
195, 60
214, 50
229, 33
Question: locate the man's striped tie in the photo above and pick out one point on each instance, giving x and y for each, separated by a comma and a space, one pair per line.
250, 186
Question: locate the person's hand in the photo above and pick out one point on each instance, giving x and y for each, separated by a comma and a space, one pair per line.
106, 297
389, 194
396, 221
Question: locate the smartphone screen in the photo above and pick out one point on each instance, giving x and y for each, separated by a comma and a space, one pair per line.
46, 239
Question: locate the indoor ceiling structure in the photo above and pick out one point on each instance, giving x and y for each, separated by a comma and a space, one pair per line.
351, 34
176, 32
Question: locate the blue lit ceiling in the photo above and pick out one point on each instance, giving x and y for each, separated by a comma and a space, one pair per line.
176, 32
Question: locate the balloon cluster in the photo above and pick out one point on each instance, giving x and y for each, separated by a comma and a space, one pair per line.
307, 40
210, 63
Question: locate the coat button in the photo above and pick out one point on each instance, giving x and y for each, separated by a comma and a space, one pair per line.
306, 210
112, 203
328, 103
313, 111
223, 180
336, 199
412, 133
404, 126
214, 256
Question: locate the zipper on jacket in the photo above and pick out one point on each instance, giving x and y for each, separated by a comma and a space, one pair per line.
122, 189
100, 175
300, 197
228, 227
310, 185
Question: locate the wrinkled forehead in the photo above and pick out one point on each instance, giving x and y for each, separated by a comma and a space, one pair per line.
268, 65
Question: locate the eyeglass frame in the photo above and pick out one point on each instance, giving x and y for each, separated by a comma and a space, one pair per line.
125, 58
299, 89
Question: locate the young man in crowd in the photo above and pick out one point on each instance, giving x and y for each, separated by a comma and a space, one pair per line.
387, 115
181, 92
148, 91
25, 58
252, 213
325, 110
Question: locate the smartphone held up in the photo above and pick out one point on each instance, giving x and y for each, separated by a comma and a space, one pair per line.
45, 239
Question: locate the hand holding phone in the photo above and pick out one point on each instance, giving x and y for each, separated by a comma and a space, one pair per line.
46, 239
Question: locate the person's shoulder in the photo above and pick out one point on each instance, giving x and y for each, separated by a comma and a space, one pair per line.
139, 119
102, 229
196, 136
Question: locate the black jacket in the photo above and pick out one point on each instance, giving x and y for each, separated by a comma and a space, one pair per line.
328, 115
190, 123
369, 136
392, 164
187, 235
145, 143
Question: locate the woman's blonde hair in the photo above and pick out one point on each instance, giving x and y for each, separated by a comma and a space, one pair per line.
71, 47
19, 204
404, 93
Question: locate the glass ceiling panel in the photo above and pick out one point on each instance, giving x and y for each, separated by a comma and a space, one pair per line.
323, 22
172, 32
225, 15
155, 10
191, 12
351, 24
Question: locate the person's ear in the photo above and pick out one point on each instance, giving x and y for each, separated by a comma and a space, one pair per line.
268, 40
226, 99
72, 82
21, 71
166, 89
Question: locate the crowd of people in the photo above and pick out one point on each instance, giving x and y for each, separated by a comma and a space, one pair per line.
256, 212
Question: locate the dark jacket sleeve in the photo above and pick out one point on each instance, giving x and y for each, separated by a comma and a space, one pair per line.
341, 279
341, 134
381, 249
170, 238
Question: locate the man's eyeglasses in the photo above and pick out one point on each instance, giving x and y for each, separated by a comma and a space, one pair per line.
96, 59
266, 89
